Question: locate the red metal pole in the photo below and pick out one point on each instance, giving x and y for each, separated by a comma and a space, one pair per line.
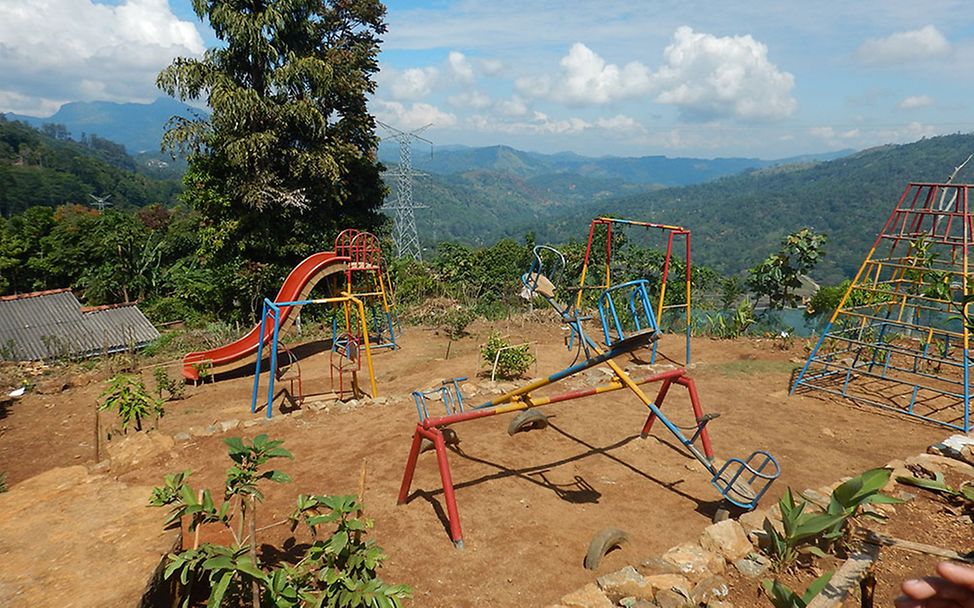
407, 476
448, 494
688, 382
659, 403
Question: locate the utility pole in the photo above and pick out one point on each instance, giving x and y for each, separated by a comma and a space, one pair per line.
404, 232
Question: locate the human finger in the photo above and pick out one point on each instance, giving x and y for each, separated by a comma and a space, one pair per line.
956, 573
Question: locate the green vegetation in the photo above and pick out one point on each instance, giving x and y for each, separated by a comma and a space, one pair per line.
286, 159
127, 397
49, 169
814, 532
3, 483
512, 361
783, 597
175, 388
780, 273
337, 569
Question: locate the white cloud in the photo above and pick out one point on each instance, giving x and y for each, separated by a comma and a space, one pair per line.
901, 47
620, 123
538, 124
515, 106
413, 116
460, 67
916, 101
587, 79
66, 50
491, 67
470, 99
709, 77
411, 84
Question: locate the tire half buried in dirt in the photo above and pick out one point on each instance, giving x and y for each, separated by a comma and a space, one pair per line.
528, 420
603, 542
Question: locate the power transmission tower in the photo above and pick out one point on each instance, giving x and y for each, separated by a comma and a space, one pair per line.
404, 231
101, 201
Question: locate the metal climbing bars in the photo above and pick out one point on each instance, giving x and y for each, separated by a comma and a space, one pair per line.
899, 339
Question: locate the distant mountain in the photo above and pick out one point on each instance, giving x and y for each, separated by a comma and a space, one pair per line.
137, 126
738, 220
653, 170
40, 169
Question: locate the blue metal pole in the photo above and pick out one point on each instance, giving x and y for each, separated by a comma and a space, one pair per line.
273, 370
260, 352
810, 357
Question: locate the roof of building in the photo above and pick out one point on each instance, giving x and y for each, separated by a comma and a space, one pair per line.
52, 324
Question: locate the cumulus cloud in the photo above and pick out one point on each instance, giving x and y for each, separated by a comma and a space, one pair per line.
412, 116
411, 84
460, 67
515, 106
470, 99
916, 101
491, 67
586, 78
709, 77
902, 47
66, 50
620, 123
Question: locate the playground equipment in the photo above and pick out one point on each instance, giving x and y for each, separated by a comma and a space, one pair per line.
900, 336
354, 268
671, 234
367, 278
741, 482
348, 357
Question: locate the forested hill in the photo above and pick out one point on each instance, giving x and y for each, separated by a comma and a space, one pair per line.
48, 168
737, 221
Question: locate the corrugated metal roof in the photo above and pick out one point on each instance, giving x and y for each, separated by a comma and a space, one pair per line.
51, 324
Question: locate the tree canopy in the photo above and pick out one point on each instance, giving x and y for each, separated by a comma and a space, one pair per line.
287, 156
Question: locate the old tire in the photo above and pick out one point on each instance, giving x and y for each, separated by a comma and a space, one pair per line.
450, 437
528, 420
603, 542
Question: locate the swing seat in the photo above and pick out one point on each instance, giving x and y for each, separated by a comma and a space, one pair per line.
743, 482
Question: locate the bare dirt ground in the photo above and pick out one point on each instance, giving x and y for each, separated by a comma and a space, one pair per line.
529, 504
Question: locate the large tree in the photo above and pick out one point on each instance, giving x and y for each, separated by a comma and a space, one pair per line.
287, 155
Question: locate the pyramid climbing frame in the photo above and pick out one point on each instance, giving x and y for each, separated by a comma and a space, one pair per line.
898, 339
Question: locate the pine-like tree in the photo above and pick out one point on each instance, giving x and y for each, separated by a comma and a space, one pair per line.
287, 156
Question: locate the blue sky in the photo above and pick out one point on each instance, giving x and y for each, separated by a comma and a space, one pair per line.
756, 78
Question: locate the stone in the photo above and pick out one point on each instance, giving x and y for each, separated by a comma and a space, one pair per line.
254, 422
672, 599
296, 413
693, 561
753, 565
137, 450
229, 425
753, 521
828, 432
53, 386
726, 538
380, 400
815, 497
709, 589
80, 380
635, 602
623, 583
100, 467
719, 604
939, 464
589, 596
181, 436
670, 582
656, 565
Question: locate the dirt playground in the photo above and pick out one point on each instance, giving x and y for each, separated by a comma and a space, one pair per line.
529, 504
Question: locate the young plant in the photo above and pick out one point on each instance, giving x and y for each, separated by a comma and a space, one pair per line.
511, 361
811, 533
127, 396
164, 383
335, 570
964, 495
3, 483
783, 597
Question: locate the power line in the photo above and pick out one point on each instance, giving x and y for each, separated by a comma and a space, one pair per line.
404, 232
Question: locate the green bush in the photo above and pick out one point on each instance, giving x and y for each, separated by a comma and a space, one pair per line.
126, 396
512, 361
164, 383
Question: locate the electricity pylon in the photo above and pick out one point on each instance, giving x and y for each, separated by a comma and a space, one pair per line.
404, 232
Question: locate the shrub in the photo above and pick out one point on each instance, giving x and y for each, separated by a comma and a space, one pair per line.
512, 361
337, 569
164, 383
126, 395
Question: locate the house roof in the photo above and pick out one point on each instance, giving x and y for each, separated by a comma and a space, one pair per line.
52, 324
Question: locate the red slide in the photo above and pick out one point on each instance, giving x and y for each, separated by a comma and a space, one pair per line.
297, 286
